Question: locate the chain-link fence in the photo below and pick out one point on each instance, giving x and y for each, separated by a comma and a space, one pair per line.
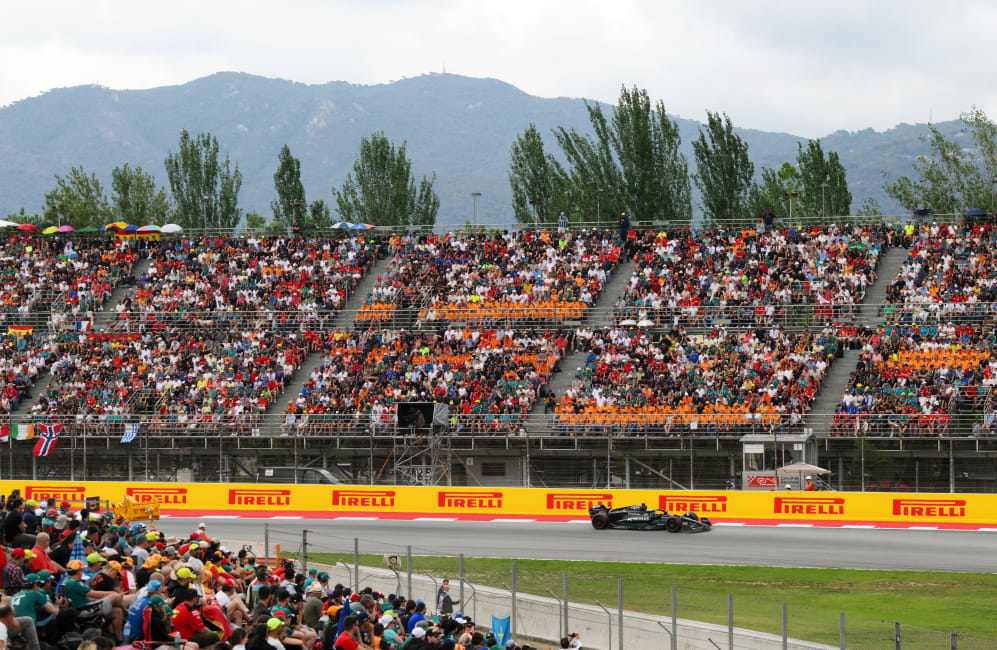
546, 602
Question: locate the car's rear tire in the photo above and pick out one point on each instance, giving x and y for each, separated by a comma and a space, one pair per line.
600, 521
673, 524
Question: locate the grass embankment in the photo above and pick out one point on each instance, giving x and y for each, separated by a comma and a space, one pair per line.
929, 605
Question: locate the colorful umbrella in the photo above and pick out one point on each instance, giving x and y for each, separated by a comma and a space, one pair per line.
86, 229
117, 225
149, 229
359, 226
171, 227
342, 225
130, 228
66, 229
51, 230
27, 227
8, 224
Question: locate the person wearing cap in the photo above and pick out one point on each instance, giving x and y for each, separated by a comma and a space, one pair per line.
13, 571
350, 639
139, 605
188, 622
418, 615
158, 627
79, 594
140, 549
184, 579
313, 607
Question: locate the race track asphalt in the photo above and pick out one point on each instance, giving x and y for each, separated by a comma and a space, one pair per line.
844, 548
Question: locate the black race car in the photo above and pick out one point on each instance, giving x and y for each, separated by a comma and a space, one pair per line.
639, 517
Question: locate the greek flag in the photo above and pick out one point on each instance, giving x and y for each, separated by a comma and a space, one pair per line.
131, 430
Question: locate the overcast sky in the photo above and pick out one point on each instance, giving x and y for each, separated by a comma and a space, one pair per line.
800, 67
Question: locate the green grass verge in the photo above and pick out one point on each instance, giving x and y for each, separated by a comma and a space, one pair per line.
929, 605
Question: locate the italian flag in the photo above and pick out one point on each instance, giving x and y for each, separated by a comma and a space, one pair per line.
20, 431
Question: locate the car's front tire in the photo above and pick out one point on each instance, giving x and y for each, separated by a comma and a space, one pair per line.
673, 525
600, 521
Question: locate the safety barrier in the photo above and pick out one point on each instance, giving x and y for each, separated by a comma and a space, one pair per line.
833, 508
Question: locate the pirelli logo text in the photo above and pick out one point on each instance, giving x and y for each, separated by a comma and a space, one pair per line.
929, 507
809, 506
241, 497
165, 496
363, 498
577, 501
678, 503
58, 492
469, 500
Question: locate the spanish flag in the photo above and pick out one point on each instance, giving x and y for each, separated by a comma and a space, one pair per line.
20, 330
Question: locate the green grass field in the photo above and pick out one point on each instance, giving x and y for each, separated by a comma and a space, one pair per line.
929, 605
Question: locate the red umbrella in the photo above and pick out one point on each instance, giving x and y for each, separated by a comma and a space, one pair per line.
29, 227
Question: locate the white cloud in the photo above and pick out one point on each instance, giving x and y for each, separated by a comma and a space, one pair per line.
803, 67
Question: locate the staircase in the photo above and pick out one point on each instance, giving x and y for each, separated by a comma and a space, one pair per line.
838, 375
344, 319
101, 318
599, 315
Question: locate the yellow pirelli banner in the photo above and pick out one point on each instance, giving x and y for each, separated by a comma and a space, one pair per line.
315, 501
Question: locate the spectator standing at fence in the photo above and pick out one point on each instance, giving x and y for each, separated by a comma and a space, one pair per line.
624, 226
562, 223
444, 603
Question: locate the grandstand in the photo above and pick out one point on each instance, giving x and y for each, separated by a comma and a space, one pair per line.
557, 357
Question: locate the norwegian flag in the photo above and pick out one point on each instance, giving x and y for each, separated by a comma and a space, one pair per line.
46, 442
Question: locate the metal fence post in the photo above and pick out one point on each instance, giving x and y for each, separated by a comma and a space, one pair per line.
785, 626
609, 628
461, 582
356, 564
619, 598
266, 544
896, 635
304, 551
514, 601
408, 568
675, 624
953, 641
564, 590
841, 631
730, 621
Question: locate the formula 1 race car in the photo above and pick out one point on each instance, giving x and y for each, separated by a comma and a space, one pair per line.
639, 517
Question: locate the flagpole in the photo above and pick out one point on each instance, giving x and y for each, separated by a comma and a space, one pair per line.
84, 456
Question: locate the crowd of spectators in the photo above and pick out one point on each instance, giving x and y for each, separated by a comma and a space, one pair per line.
718, 383
491, 278
489, 378
687, 277
81, 580
213, 281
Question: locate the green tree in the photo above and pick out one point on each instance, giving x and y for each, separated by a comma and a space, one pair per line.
870, 208
382, 190
290, 204
136, 198
631, 163
255, 221
724, 172
79, 200
824, 184
534, 174
205, 192
319, 215
778, 188
953, 177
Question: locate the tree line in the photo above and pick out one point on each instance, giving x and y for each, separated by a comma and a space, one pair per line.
203, 192
632, 163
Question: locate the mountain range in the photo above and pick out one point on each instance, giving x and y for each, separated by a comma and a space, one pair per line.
459, 127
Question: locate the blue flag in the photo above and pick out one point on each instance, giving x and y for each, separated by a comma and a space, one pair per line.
500, 628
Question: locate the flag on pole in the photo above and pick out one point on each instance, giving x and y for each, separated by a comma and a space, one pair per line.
4, 433
131, 430
47, 439
20, 330
20, 431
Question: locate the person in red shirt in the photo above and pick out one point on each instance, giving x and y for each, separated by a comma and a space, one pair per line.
42, 561
350, 638
188, 622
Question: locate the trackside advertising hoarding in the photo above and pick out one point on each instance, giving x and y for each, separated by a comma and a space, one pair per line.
194, 499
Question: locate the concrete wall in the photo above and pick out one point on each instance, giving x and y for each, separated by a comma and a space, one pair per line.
540, 618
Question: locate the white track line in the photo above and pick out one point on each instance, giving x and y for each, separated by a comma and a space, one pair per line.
435, 519
513, 521
356, 518
988, 530
219, 517
922, 527
578, 521
857, 526
795, 525
730, 523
